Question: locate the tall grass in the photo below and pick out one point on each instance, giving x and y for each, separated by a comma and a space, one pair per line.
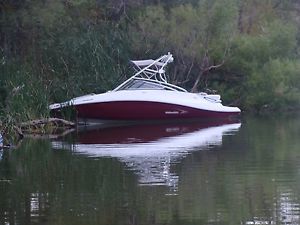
57, 69
84, 63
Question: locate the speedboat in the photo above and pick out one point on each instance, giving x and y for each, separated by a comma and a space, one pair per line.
147, 95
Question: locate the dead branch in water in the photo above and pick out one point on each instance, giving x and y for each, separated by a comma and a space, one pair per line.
44, 126
47, 126
57, 122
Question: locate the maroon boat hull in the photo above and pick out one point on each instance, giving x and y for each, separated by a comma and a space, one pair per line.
138, 110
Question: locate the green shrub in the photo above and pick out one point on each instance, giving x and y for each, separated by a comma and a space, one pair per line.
276, 85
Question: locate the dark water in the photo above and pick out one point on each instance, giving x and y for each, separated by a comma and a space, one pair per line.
184, 173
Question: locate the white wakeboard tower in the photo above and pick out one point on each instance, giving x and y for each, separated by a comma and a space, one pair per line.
152, 70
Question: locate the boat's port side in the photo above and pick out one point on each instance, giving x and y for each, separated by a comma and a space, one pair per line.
141, 110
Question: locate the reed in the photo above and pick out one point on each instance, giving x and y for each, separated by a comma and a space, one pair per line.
83, 63
57, 70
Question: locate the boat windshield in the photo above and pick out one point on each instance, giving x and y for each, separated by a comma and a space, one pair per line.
135, 84
141, 84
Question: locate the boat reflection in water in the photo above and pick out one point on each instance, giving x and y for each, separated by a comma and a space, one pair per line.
150, 150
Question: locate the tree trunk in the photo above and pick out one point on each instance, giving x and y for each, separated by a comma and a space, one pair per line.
240, 18
195, 86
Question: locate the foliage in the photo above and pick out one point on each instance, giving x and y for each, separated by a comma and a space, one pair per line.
199, 36
253, 59
276, 40
276, 85
65, 53
25, 99
88, 62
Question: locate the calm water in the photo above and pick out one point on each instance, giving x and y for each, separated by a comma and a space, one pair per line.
184, 174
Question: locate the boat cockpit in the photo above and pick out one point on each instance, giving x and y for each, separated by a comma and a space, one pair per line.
146, 84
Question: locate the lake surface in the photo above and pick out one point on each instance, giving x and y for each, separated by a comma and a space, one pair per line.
245, 172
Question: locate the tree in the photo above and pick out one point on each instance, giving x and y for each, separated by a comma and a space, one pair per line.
199, 36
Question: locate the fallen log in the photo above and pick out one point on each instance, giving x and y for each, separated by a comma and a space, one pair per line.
57, 122
44, 126
47, 126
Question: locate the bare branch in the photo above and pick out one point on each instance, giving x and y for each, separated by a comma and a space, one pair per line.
215, 66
